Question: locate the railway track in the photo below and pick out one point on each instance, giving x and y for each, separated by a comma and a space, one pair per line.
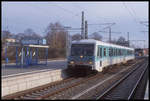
126, 87
67, 92
20, 95
41, 91
103, 83
58, 89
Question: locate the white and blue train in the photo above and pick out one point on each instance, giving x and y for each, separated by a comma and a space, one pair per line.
96, 55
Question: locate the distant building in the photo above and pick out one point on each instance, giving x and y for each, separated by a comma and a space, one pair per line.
142, 52
146, 51
10, 40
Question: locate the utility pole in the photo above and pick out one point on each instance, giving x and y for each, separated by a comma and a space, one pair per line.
108, 27
82, 26
86, 30
128, 39
109, 34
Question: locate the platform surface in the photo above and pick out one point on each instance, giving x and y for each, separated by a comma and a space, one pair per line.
54, 64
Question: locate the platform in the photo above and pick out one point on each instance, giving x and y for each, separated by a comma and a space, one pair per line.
54, 64
19, 79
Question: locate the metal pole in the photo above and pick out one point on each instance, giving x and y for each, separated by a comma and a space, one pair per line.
144, 44
22, 56
31, 56
128, 39
109, 34
46, 55
82, 26
66, 44
16, 55
86, 30
27, 58
37, 53
6, 58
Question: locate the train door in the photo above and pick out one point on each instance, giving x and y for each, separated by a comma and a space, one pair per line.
124, 55
99, 58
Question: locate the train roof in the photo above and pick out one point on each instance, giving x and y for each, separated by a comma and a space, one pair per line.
85, 41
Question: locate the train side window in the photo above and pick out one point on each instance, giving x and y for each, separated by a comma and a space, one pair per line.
104, 51
120, 52
125, 52
117, 52
109, 52
100, 52
114, 51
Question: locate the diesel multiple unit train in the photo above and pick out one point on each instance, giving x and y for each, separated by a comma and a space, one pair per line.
96, 55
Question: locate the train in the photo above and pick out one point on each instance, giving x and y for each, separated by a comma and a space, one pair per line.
91, 54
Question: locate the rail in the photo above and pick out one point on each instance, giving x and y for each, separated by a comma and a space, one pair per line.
120, 81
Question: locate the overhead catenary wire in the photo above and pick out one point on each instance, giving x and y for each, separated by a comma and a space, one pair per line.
68, 11
130, 12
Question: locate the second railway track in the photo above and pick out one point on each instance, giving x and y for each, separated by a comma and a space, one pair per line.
126, 86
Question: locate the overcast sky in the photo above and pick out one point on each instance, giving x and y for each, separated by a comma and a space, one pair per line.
18, 16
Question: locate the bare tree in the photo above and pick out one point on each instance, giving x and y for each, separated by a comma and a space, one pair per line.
56, 35
76, 37
5, 34
121, 41
29, 33
114, 41
56, 39
96, 36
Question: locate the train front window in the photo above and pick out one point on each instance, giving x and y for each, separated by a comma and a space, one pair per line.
82, 49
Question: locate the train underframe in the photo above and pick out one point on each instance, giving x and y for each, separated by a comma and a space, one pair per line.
83, 70
80, 70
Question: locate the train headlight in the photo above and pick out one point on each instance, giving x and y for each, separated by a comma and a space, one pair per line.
81, 56
90, 62
71, 62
